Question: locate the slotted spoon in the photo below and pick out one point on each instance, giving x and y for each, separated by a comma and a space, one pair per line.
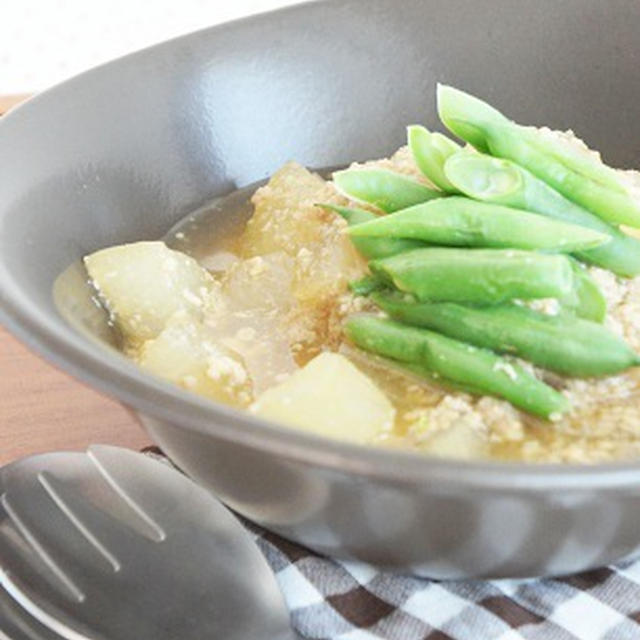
113, 545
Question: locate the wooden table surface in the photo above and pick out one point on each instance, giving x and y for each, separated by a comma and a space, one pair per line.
43, 409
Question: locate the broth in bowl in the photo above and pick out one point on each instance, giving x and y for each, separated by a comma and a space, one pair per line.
470, 302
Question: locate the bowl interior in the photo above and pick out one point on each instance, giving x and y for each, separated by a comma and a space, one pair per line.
124, 151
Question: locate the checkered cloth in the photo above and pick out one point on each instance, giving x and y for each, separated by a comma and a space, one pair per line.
337, 600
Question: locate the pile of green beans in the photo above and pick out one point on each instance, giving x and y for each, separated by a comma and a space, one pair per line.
458, 260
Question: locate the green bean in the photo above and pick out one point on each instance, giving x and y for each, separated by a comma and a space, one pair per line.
568, 172
366, 285
484, 276
579, 161
503, 182
430, 151
587, 301
352, 215
465, 114
372, 247
615, 207
563, 343
456, 362
461, 222
384, 189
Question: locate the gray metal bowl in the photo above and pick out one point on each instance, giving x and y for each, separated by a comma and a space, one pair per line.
123, 152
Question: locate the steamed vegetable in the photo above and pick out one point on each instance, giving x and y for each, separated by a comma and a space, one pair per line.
586, 301
386, 190
145, 283
366, 285
562, 343
430, 151
329, 397
184, 354
372, 247
458, 221
484, 276
460, 110
579, 177
504, 182
612, 206
433, 354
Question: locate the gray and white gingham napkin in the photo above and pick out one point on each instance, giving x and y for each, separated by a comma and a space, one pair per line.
336, 600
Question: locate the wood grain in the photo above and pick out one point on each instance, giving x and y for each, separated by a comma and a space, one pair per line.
6, 102
43, 409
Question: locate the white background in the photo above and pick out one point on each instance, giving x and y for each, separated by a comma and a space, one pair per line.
43, 42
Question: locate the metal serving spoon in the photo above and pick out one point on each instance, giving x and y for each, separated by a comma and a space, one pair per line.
113, 545
17, 624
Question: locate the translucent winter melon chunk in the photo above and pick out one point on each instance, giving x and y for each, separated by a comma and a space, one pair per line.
184, 354
326, 267
262, 282
329, 397
286, 219
143, 284
285, 216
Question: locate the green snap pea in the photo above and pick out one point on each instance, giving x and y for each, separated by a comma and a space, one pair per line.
564, 343
483, 276
503, 182
430, 151
578, 177
465, 115
455, 362
372, 247
587, 301
461, 222
387, 190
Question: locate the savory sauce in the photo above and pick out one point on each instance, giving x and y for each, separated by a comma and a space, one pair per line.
285, 265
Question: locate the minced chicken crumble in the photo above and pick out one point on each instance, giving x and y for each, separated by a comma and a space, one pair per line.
605, 421
603, 425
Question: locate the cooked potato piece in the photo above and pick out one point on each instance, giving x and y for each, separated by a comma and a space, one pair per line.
145, 283
183, 354
458, 441
329, 397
